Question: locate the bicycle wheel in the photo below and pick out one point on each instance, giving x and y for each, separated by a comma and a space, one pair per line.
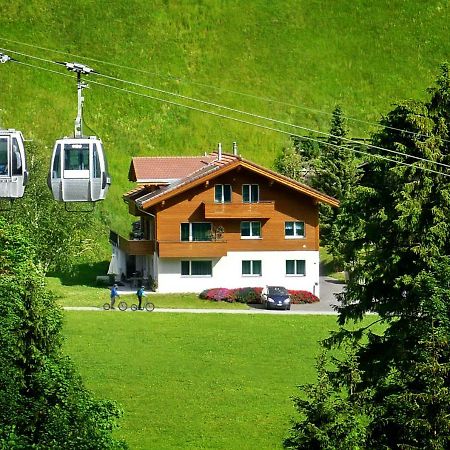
134, 307
123, 305
106, 306
149, 306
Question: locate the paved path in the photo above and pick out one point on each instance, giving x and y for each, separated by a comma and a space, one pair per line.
328, 287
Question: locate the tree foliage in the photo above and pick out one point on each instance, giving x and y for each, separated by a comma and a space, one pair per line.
329, 166
395, 237
60, 237
43, 403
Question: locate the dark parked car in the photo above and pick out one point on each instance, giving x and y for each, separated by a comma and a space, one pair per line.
276, 297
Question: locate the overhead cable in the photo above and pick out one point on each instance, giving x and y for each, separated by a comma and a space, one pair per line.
256, 124
184, 80
248, 114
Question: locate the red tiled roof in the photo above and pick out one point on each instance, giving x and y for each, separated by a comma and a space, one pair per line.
166, 168
178, 171
163, 168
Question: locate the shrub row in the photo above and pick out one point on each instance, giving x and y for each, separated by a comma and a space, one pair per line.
241, 295
301, 297
252, 295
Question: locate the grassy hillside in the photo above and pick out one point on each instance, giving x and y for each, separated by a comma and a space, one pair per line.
315, 54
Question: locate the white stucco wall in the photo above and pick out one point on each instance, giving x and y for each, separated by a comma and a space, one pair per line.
118, 262
227, 272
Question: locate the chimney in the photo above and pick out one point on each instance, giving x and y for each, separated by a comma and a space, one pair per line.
219, 152
235, 149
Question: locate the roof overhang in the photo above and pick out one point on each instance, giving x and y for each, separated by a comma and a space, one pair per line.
146, 200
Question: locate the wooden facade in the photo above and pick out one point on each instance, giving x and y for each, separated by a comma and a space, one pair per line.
137, 247
277, 205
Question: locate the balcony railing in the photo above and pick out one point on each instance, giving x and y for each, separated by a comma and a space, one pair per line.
136, 246
260, 210
199, 249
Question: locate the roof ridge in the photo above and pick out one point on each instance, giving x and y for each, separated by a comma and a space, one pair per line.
171, 156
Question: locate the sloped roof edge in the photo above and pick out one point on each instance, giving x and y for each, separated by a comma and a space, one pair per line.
304, 188
206, 173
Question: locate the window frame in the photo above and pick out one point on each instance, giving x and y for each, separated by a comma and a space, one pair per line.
5, 153
191, 232
294, 228
222, 193
296, 267
251, 189
252, 267
251, 236
190, 262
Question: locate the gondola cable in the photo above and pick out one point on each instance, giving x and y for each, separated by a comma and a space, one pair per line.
398, 153
266, 127
184, 80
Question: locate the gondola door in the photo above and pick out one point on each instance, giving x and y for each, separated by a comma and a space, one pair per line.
13, 173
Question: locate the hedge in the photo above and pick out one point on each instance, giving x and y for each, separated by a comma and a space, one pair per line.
252, 295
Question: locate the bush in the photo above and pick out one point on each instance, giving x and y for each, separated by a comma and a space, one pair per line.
247, 295
302, 297
252, 295
241, 295
216, 294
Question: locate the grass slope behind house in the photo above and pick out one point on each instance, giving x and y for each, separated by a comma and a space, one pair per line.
190, 381
362, 55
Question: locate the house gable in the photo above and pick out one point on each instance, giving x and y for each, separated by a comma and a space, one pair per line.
208, 174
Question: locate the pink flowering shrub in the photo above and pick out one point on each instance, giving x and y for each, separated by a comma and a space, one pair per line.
241, 295
252, 295
301, 297
216, 294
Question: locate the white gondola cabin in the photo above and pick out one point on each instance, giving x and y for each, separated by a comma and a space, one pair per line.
13, 169
78, 170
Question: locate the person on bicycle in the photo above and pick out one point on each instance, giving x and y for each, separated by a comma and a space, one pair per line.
114, 295
140, 293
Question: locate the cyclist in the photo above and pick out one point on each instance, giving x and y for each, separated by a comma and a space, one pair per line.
114, 295
140, 293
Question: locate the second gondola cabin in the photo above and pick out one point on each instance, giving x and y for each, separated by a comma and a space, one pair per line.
78, 170
13, 169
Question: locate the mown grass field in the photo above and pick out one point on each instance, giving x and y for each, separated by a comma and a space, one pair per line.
309, 54
197, 381
82, 295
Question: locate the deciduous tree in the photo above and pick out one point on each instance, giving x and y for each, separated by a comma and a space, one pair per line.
60, 237
43, 403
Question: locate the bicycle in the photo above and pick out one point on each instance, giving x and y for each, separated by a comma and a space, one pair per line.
148, 306
123, 306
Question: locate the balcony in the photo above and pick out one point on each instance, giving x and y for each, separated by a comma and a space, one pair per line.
260, 210
200, 249
135, 247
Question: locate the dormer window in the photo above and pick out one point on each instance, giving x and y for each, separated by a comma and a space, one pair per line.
222, 193
250, 193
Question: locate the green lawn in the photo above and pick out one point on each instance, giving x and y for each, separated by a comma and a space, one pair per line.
82, 295
190, 381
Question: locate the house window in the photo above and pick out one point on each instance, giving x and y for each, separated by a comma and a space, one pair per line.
196, 268
222, 193
250, 193
294, 230
251, 268
196, 231
295, 267
250, 230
